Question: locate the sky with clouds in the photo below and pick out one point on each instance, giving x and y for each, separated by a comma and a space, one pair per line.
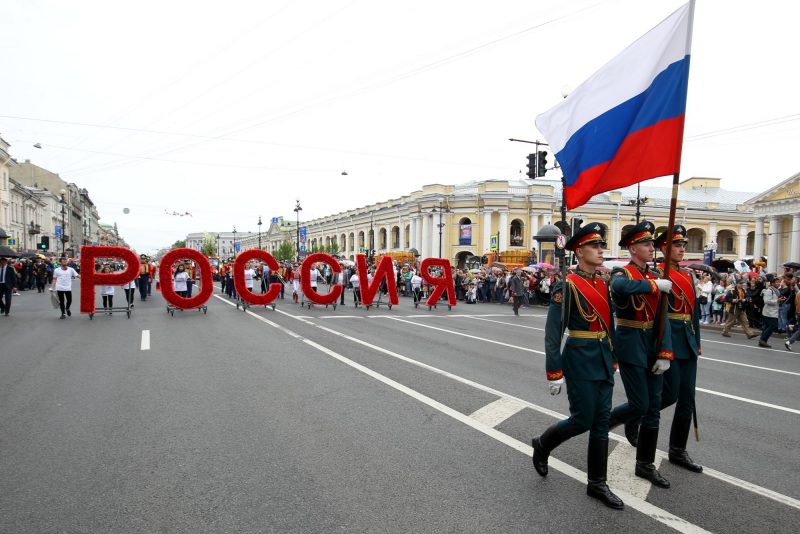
233, 110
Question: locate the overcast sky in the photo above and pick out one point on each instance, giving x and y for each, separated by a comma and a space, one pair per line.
233, 110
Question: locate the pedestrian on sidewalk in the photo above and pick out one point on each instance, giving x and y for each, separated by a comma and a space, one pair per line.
705, 299
796, 335
62, 283
355, 282
8, 281
771, 296
737, 299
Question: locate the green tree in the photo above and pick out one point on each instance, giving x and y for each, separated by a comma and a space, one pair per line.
285, 252
209, 246
180, 243
332, 249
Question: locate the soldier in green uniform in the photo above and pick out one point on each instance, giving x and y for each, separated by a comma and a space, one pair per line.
636, 290
684, 321
582, 304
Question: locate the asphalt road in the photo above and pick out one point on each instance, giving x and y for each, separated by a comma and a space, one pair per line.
320, 420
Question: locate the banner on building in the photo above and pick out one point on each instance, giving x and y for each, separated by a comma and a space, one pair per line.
465, 234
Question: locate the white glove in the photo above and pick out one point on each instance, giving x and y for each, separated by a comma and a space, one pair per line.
555, 386
665, 286
660, 367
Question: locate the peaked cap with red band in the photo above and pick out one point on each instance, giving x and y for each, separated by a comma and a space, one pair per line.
638, 234
586, 235
678, 236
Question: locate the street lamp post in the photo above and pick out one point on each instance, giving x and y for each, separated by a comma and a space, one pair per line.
259, 232
219, 255
63, 221
234, 241
297, 210
441, 224
371, 239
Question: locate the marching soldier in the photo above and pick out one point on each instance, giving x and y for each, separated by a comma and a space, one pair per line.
636, 290
684, 320
581, 303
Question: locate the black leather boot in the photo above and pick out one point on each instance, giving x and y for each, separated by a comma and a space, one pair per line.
542, 446
631, 427
678, 436
646, 455
598, 463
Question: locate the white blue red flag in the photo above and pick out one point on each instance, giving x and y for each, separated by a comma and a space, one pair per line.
625, 123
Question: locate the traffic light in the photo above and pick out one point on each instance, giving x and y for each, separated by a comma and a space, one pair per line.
576, 224
541, 163
531, 166
44, 244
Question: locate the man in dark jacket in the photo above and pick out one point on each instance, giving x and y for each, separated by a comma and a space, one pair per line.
8, 281
517, 289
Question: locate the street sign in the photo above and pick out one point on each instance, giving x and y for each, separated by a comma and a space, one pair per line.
493, 245
11, 242
237, 247
302, 247
302, 234
59, 231
275, 219
561, 241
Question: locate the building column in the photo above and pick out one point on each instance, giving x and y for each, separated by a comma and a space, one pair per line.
712, 233
412, 232
794, 239
434, 235
502, 229
742, 240
772, 244
426, 236
534, 230
487, 230
758, 240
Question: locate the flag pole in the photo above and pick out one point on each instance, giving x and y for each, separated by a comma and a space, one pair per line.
664, 299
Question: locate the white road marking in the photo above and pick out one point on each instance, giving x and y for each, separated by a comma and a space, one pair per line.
480, 318
526, 349
749, 486
748, 365
650, 510
750, 401
498, 411
621, 464
145, 340
755, 347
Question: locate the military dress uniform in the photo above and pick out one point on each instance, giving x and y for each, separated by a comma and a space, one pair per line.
581, 305
681, 378
636, 297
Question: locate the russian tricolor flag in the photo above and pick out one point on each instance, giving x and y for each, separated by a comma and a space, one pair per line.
625, 123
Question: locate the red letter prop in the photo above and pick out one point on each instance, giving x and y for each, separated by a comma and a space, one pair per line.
441, 283
90, 278
305, 279
238, 277
165, 277
385, 271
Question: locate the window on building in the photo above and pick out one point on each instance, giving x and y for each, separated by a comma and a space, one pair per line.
696, 238
725, 242
751, 239
395, 237
516, 234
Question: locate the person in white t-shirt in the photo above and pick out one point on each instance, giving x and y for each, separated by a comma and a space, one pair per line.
355, 281
130, 291
249, 276
313, 275
179, 280
416, 287
62, 283
107, 291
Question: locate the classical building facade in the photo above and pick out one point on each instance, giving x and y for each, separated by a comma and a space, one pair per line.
478, 217
224, 241
776, 213
5, 188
